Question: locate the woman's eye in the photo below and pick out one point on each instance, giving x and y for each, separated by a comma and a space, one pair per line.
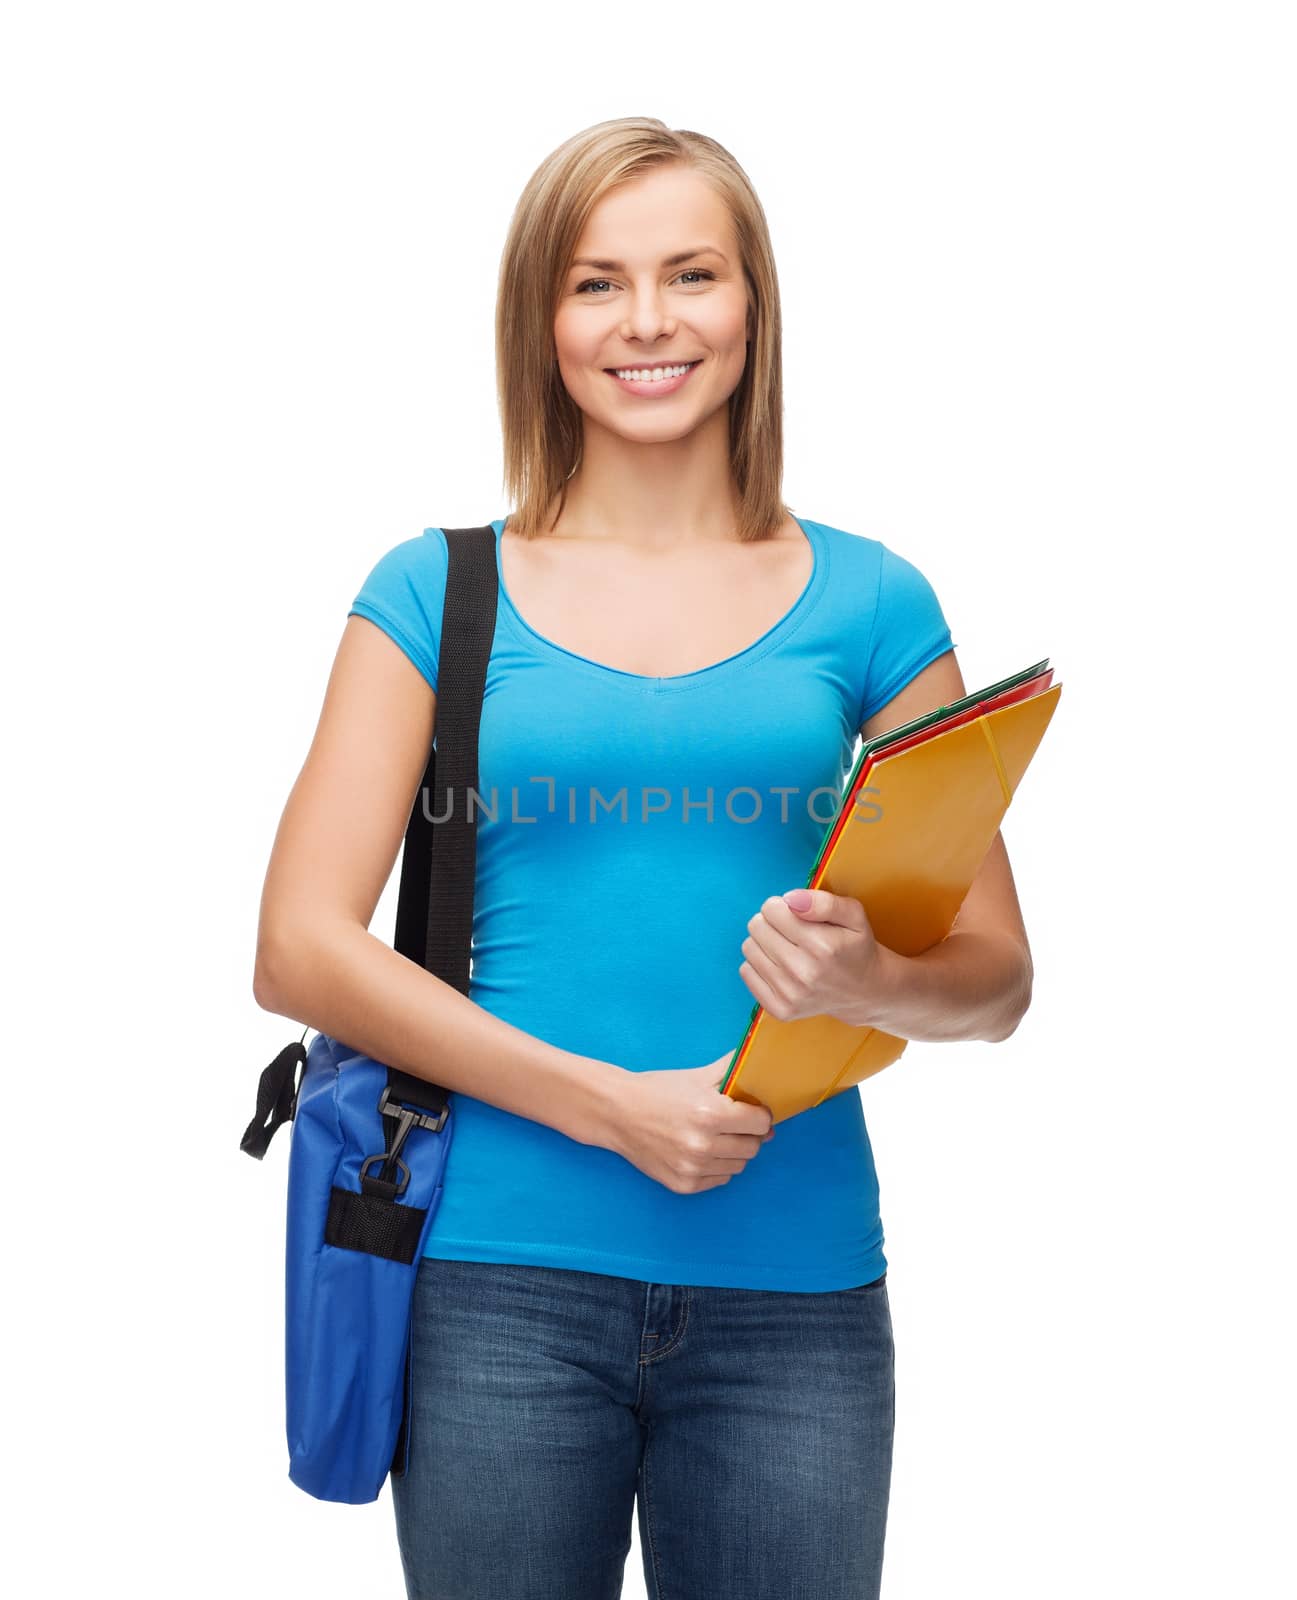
689, 272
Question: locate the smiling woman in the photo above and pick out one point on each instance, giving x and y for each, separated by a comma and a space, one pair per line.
634, 1292
634, 247
647, 314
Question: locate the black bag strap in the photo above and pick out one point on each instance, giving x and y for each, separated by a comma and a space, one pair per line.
434, 914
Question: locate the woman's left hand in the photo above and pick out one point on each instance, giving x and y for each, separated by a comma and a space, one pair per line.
811, 953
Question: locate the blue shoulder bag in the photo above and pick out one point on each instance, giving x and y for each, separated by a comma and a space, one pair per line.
369, 1144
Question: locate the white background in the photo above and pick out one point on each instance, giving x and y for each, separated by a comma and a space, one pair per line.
1037, 265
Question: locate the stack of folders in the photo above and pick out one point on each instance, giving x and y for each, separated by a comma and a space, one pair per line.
918, 813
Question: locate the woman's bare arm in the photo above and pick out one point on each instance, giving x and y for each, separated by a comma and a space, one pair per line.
976, 982
334, 851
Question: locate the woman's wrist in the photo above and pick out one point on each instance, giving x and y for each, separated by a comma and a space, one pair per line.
594, 1094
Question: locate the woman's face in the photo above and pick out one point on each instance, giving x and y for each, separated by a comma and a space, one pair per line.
638, 308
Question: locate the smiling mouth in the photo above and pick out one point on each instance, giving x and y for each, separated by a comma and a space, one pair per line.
660, 367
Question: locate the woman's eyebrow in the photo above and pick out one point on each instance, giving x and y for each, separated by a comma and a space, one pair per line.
668, 261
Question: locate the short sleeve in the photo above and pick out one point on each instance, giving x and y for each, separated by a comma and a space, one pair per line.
909, 631
404, 595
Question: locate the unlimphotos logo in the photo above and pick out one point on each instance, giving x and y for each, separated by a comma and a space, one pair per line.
739, 805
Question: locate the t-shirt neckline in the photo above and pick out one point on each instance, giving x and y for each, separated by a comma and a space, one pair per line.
774, 635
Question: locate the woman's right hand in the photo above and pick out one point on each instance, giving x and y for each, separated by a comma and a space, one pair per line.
676, 1128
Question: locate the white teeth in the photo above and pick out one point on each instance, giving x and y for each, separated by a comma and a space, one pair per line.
652, 374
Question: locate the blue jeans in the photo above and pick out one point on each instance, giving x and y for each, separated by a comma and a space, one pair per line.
749, 1429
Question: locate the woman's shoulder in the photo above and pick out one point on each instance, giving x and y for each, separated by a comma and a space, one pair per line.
404, 592
877, 564
419, 556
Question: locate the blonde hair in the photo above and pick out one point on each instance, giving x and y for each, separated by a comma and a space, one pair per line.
541, 423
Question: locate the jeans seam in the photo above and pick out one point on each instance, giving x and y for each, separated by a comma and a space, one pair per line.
655, 1566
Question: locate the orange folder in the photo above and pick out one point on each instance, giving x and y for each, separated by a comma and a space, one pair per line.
918, 814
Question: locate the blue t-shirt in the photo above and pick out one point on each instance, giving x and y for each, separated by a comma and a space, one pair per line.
631, 827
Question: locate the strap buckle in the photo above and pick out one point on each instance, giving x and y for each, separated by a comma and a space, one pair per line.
405, 1117
409, 1117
